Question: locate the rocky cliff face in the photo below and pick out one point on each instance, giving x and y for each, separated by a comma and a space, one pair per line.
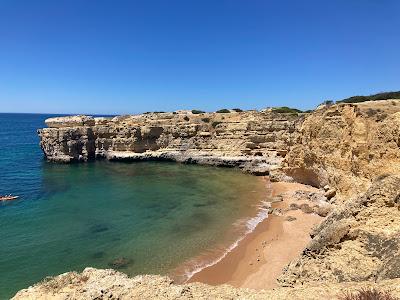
347, 146
239, 139
358, 241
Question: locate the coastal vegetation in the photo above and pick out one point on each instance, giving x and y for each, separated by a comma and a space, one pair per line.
197, 112
374, 97
286, 110
223, 111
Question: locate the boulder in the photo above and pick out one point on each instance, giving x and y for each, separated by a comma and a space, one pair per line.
330, 193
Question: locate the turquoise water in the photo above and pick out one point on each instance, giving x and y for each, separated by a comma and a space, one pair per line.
138, 217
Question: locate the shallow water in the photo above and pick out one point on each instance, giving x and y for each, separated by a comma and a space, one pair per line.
139, 217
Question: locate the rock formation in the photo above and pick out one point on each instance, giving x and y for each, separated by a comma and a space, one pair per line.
110, 284
253, 141
358, 241
347, 146
352, 151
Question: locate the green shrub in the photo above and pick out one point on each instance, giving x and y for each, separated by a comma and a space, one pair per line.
286, 110
215, 124
186, 118
223, 111
237, 109
375, 97
196, 112
354, 99
328, 102
206, 120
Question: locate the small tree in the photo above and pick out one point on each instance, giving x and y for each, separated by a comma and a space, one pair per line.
197, 112
223, 111
328, 102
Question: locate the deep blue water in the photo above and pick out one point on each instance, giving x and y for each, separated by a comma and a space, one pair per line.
152, 217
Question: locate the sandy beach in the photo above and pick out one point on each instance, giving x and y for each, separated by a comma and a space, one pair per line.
260, 257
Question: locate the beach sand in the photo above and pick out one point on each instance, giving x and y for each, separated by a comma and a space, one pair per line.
261, 256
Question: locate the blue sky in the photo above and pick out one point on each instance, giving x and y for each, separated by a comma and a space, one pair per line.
111, 57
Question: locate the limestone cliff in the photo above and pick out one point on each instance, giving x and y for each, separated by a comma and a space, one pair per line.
240, 139
356, 149
347, 146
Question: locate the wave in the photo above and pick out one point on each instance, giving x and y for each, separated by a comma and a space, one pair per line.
214, 256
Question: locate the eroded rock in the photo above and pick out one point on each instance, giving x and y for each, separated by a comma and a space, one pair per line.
110, 284
252, 141
358, 241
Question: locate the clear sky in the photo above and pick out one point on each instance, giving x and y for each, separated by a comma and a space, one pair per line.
112, 57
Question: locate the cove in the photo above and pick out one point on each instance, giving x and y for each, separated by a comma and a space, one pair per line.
139, 218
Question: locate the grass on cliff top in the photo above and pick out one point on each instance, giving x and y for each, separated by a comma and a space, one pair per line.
286, 110
375, 97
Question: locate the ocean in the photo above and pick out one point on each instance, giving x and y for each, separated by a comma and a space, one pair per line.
145, 217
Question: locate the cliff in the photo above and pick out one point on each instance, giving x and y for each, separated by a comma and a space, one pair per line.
255, 141
358, 241
353, 150
347, 146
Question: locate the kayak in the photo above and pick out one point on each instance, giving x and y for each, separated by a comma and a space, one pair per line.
8, 198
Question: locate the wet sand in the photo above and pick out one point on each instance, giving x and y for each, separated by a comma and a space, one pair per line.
260, 257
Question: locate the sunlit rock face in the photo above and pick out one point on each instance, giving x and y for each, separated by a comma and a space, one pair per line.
347, 146
235, 139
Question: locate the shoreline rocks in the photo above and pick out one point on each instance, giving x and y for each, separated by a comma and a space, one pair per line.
358, 241
110, 284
